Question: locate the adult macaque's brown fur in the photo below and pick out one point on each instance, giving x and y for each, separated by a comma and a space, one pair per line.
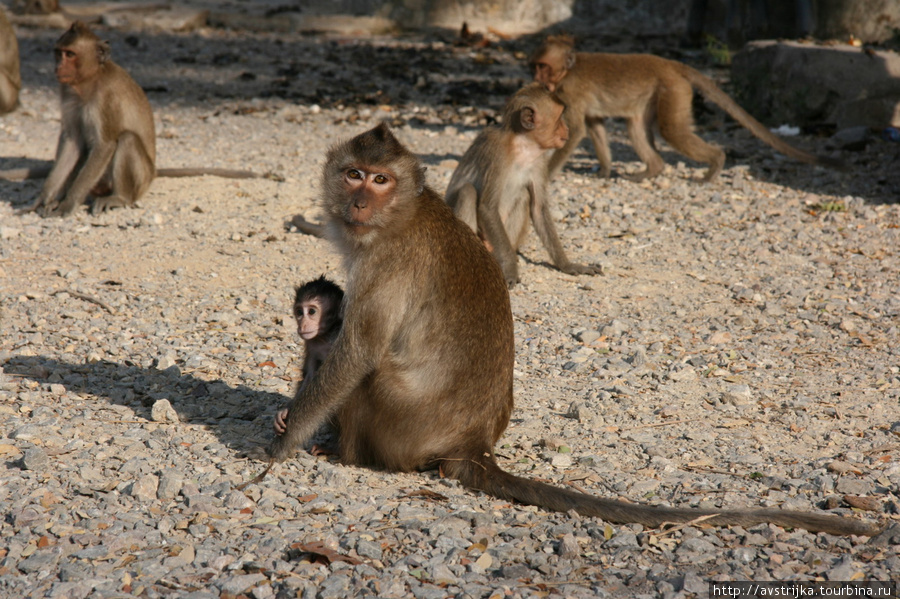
500, 185
421, 374
645, 90
10, 78
107, 142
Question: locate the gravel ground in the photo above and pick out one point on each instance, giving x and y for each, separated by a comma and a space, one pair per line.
741, 349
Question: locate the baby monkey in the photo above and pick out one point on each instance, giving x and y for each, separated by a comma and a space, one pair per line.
317, 308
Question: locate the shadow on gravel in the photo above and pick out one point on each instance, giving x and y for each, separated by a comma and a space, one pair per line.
430, 69
240, 416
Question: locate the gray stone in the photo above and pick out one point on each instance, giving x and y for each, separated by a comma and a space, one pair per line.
40, 561
638, 358
516, 571
9, 232
847, 569
695, 585
851, 138
263, 591
853, 486
72, 590
737, 395
185, 557
202, 594
568, 547
35, 458
237, 500
588, 337
93, 552
441, 574
369, 549
145, 488
578, 411
162, 411
202, 502
26, 432
696, 545
169, 485
624, 538
334, 587
73, 571
165, 361
240, 584
615, 328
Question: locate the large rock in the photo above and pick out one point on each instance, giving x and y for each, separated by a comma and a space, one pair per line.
803, 84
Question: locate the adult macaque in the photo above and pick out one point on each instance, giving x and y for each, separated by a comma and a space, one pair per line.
643, 89
317, 310
501, 182
107, 144
10, 78
421, 373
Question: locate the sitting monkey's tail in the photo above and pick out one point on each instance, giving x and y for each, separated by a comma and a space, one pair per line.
225, 173
40, 172
21, 174
485, 475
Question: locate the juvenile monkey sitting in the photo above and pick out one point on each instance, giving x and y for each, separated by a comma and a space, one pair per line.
500, 185
107, 140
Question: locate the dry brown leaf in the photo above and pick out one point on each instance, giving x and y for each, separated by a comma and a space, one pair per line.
869, 504
734, 423
323, 555
425, 493
841, 467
